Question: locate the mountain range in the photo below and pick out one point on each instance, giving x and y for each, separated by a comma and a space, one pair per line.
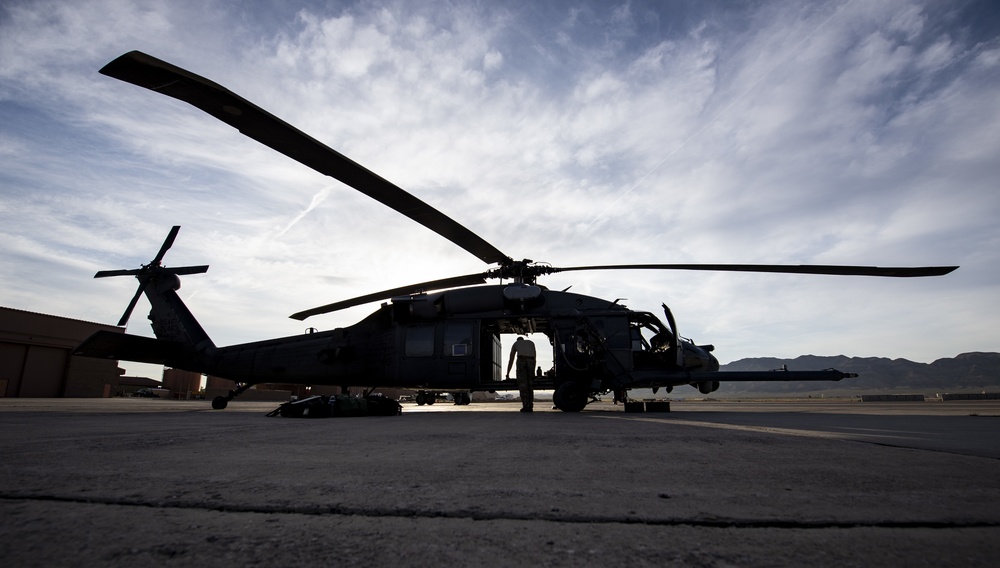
968, 372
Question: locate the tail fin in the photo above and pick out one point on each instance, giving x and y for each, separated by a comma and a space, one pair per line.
170, 318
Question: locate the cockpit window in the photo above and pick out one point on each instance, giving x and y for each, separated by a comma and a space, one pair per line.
648, 333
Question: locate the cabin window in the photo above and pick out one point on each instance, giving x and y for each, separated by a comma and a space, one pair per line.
420, 341
458, 339
639, 343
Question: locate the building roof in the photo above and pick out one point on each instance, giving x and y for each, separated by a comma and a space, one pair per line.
39, 314
24, 327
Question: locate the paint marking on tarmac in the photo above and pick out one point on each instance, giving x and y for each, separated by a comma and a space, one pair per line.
764, 429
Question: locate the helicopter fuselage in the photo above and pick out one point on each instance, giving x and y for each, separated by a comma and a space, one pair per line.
451, 340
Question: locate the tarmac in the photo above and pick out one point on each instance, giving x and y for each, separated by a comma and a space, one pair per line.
127, 482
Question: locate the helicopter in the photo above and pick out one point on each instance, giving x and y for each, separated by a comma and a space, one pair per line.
436, 336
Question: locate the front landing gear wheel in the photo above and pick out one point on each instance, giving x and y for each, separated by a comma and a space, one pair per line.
570, 397
220, 402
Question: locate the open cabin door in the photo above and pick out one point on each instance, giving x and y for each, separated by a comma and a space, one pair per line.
491, 357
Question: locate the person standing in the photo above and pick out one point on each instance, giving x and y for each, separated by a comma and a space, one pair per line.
524, 351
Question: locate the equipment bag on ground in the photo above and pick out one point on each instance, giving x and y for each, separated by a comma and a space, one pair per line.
321, 406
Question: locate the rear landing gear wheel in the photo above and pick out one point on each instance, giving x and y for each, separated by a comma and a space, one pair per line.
220, 402
570, 397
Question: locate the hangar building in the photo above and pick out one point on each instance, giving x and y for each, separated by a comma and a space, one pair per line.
36, 360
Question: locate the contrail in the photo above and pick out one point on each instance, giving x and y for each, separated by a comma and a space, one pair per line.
316, 200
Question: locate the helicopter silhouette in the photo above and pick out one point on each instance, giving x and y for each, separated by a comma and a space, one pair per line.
435, 336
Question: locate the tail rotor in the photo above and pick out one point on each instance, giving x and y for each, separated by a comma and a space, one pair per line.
152, 272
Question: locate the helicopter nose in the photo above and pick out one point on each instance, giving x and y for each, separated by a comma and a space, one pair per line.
699, 358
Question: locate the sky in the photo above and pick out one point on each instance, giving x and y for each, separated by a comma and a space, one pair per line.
573, 133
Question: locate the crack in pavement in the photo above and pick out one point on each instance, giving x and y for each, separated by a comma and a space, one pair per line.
338, 510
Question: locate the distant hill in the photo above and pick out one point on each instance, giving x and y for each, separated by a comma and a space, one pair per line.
966, 372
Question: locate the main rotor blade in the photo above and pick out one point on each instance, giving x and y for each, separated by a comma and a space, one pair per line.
454, 282
896, 272
167, 243
146, 71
